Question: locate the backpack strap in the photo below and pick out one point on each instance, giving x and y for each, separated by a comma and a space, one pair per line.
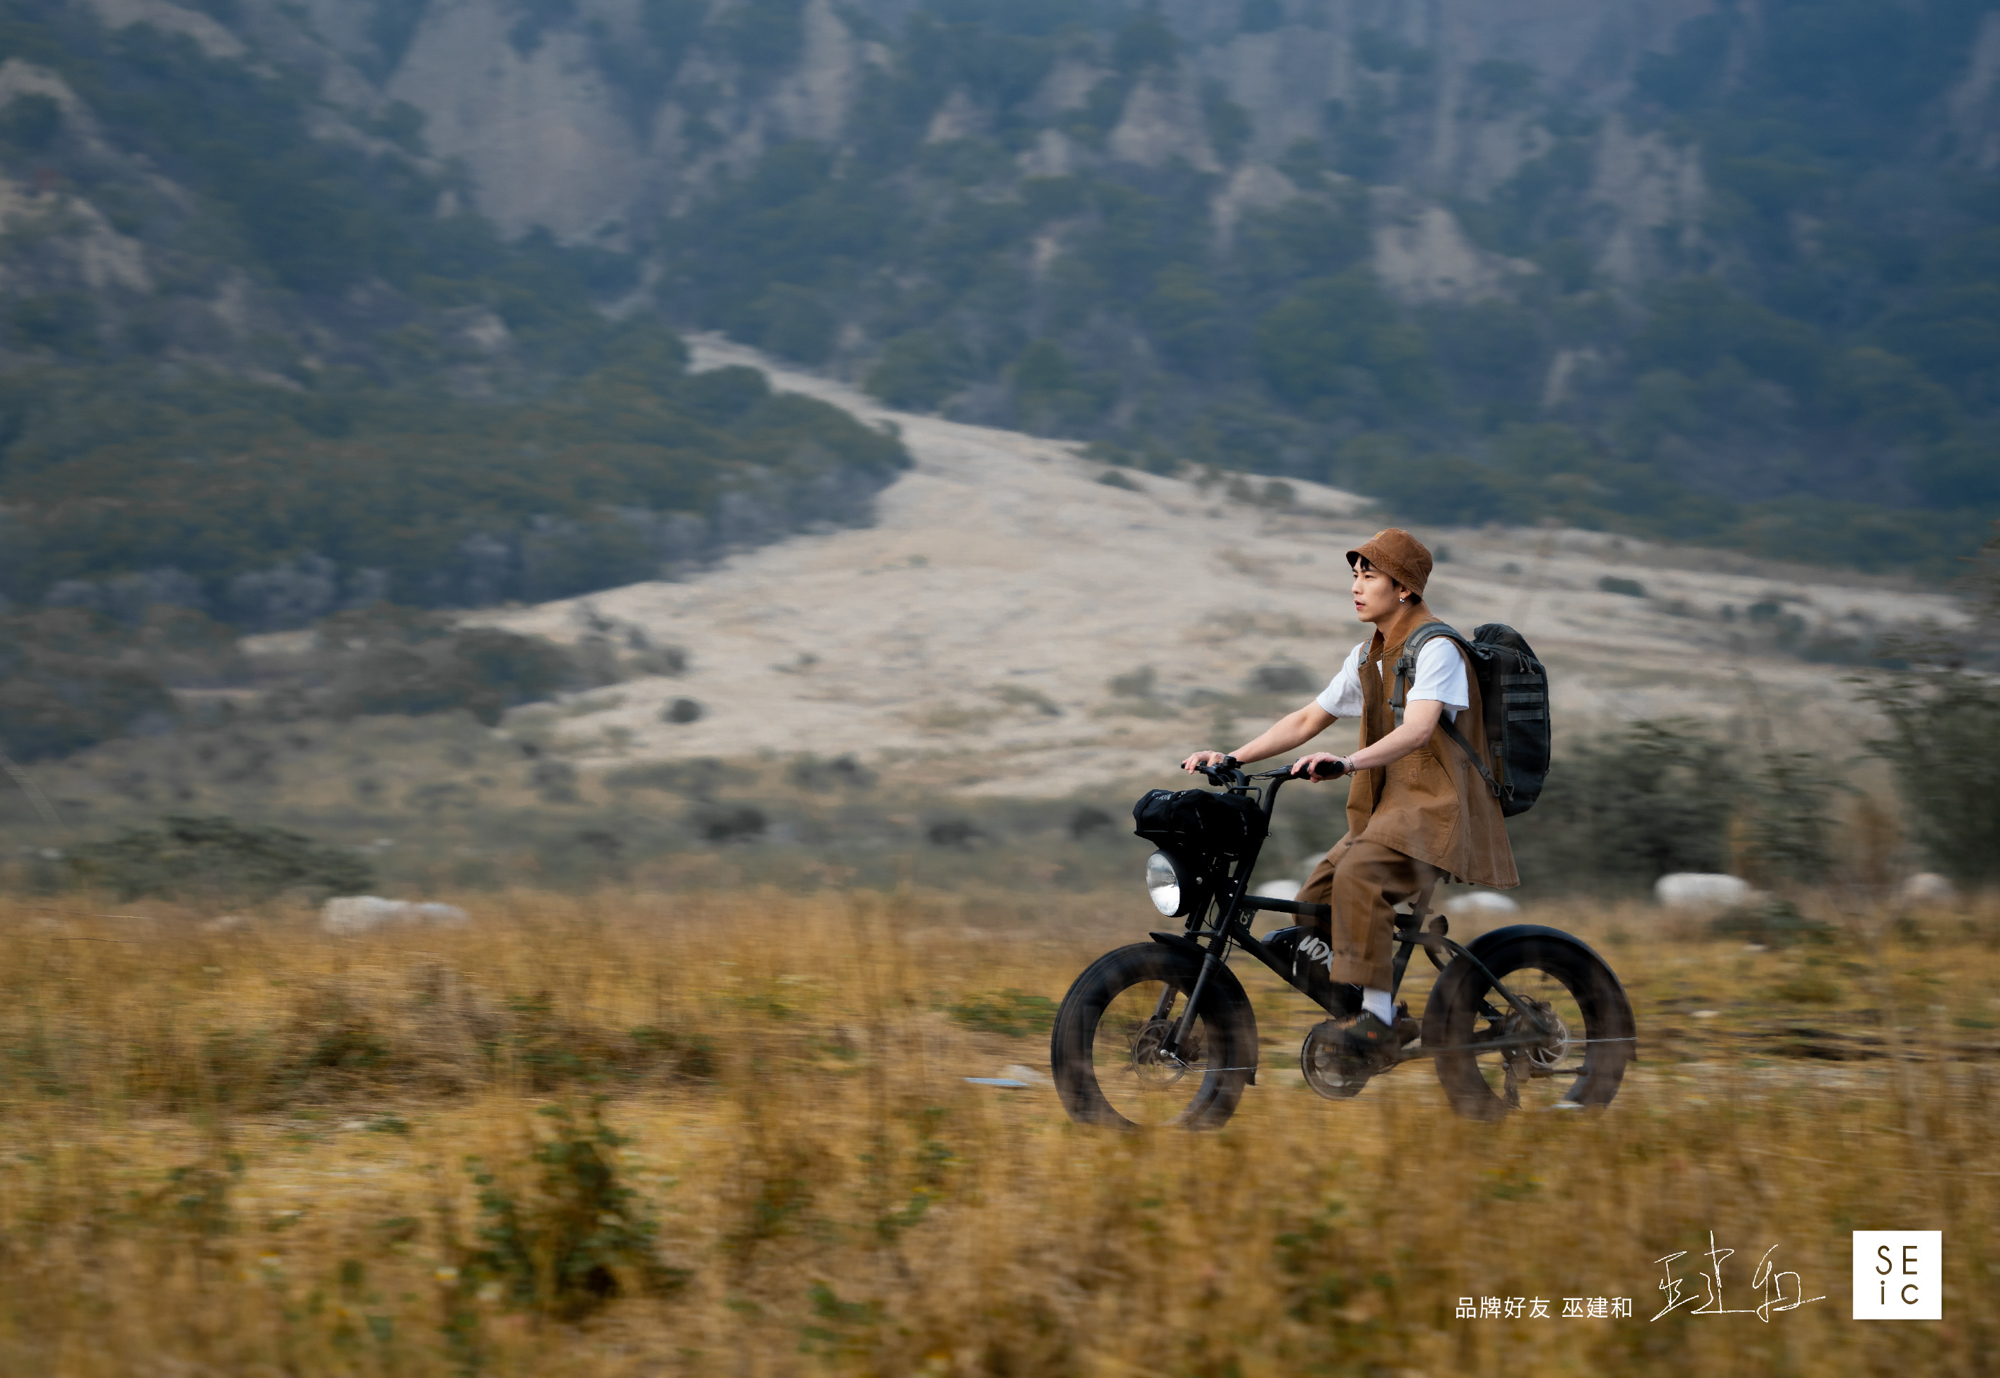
1406, 663
1406, 675
1451, 730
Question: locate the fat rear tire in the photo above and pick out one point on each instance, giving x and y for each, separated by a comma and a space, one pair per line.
1453, 1015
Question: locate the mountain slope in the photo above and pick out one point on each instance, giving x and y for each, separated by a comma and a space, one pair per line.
259, 356
1687, 271
1014, 625
1718, 274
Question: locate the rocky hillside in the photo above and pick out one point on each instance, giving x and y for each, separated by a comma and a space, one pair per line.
1724, 273
1015, 624
261, 358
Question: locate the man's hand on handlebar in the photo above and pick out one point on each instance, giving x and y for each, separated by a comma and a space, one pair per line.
1321, 765
1206, 758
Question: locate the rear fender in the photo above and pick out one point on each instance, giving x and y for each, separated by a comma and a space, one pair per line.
1457, 972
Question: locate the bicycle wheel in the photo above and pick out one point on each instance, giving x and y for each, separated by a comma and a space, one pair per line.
1107, 1048
1493, 1060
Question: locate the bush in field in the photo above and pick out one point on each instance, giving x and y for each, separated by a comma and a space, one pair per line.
67, 682
217, 858
1944, 745
386, 659
577, 1236
1005, 1012
1627, 808
1943, 740
1623, 809
1783, 830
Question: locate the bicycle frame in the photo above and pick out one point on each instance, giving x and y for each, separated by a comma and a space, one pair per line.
1231, 906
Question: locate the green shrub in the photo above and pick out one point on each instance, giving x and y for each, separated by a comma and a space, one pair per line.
66, 683
599, 482
1784, 830
1771, 921
480, 669
574, 1236
1628, 807
691, 777
916, 371
1009, 1012
218, 859
1943, 743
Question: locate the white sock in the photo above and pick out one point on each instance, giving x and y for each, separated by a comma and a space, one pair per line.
1378, 1003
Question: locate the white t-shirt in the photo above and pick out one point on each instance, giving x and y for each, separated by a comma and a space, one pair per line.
1440, 676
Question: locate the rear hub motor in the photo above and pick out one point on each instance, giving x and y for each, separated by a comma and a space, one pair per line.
1539, 1057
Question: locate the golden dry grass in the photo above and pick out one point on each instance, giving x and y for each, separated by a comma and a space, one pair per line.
246, 1152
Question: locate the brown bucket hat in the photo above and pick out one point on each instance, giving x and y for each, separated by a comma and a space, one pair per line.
1397, 554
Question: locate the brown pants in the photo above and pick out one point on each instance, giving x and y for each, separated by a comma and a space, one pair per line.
1364, 881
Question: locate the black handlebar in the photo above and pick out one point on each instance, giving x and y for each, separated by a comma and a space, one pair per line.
1232, 773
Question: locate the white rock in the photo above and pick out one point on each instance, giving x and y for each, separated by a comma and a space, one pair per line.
1482, 902
347, 914
1700, 890
1928, 885
1280, 889
1163, 121
1424, 255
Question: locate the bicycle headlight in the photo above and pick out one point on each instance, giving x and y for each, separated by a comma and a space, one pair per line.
1171, 888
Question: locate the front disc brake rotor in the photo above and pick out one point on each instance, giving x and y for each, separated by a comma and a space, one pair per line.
1154, 1065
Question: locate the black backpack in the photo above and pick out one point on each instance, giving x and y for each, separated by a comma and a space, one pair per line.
1199, 823
1514, 692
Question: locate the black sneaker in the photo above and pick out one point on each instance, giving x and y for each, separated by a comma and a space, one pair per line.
1366, 1045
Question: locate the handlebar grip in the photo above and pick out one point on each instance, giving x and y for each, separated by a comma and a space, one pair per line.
1312, 777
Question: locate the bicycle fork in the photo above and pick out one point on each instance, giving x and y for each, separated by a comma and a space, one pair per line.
1214, 956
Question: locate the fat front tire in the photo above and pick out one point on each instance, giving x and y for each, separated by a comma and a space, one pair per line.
1106, 1054
1578, 1064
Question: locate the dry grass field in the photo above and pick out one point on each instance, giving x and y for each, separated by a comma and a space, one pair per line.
731, 1134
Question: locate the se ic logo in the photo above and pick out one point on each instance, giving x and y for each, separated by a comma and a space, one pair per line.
1898, 1275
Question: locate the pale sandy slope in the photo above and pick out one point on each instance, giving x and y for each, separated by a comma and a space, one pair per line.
969, 635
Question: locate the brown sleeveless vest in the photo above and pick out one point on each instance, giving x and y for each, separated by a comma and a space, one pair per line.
1430, 805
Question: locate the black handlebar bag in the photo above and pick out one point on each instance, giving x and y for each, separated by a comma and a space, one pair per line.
1199, 822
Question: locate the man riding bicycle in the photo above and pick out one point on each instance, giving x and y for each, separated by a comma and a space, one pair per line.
1417, 810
